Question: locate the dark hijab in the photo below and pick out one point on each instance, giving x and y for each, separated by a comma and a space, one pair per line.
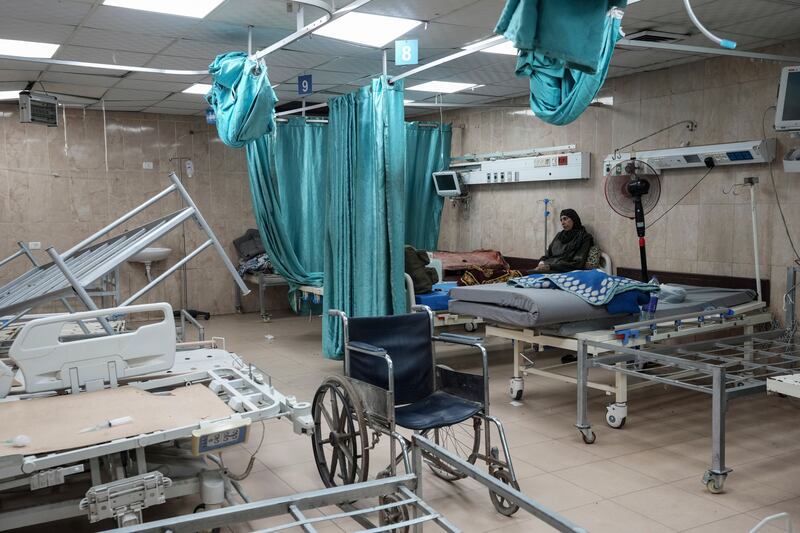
577, 227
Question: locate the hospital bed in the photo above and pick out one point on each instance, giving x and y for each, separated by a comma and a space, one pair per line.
110, 425
555, 318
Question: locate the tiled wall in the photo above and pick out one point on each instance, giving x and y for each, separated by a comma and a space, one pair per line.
709, 232
57, 191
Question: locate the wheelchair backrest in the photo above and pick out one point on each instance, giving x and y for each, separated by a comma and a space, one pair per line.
407, 340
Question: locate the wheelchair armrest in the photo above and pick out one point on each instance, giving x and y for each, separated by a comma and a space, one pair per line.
455, 338
365, 348
369, 349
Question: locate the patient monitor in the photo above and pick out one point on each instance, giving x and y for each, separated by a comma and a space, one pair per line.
787, 114
448, 184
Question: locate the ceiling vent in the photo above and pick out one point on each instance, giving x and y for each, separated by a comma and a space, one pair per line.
650, 36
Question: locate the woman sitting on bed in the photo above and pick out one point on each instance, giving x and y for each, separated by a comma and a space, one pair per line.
570, 248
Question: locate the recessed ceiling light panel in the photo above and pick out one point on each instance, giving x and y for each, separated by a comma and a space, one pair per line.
10, 47
186, 8
9, 95
198, 88
441, 87
503, 47
367, 29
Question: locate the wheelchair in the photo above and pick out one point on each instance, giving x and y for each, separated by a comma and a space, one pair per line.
391, 380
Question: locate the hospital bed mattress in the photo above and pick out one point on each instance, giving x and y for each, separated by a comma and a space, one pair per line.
527, 308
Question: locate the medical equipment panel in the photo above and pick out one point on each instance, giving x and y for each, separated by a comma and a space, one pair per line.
218, 435
555, 166
37, 108
735, 153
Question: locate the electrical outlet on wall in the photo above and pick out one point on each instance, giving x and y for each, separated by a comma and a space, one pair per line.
35, 245
147, 165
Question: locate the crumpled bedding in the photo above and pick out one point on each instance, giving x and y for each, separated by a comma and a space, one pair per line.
255, 265
482, 259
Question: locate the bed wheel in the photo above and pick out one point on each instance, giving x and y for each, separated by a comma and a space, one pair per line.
715, 483
470, 326
616, 415
588, 436
515, 388
199, 509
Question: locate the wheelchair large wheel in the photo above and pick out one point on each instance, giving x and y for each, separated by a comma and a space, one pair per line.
463, 440
340, 434
501, 505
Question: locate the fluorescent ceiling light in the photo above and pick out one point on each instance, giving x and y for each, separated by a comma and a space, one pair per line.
10, 47
364, 28
186, 8
504, 47
198, 88
408, 102
441, 87
9, 95
605, 100
632, 2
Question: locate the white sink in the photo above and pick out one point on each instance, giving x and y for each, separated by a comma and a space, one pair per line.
151, 255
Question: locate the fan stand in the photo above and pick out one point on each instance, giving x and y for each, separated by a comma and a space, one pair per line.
639, 213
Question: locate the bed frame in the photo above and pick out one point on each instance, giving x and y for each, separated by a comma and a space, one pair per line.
631, 335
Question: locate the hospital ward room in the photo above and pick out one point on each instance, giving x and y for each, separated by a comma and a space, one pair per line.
327, 266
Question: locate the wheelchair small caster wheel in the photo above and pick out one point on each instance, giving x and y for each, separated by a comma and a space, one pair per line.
470, 327
502, 505
588, 436
393, 515
516, 388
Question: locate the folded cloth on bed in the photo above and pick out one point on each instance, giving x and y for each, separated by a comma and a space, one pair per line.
595, 287
254, 265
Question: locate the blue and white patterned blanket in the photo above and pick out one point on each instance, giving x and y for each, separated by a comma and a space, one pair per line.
593, 286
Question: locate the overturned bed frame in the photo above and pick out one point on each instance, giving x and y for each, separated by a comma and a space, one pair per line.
71, 273
401, 505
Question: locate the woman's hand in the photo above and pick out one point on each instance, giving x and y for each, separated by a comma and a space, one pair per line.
542, 267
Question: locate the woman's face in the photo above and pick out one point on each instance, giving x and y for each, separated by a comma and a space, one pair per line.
566, 223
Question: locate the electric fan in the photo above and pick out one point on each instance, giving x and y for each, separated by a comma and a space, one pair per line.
633, 189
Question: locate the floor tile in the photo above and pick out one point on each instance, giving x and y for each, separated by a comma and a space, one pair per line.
673, 507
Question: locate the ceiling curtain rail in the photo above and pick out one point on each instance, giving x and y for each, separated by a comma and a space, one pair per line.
299, 34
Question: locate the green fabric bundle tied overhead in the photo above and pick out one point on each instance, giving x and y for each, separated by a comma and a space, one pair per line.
565, 47
242, 98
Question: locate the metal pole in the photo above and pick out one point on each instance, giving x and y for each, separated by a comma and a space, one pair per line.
249, 40
754, 214
203, 224
119, 221
385, 65
582, 421
718, 401
78, 288
709, 51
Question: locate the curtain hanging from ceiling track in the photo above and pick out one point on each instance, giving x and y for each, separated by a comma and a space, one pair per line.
427, 151
364, 261
565, 48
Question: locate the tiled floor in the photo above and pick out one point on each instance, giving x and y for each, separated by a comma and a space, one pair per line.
643, 478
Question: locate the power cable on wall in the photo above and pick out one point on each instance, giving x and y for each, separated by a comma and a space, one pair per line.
775, 191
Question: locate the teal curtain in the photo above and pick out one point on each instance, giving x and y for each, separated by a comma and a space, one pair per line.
287, 183
565, 48
364, 262
242, 98
427, 151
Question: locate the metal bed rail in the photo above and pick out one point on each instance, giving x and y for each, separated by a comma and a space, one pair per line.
724, 369
399, 495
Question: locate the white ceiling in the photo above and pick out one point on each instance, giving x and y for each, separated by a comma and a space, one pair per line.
90, 31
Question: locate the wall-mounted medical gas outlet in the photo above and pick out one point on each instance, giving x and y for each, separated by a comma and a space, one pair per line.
557, 166
736, 153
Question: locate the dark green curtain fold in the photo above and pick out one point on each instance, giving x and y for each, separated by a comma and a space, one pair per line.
427, 151
287, 184
364, 262
565, 48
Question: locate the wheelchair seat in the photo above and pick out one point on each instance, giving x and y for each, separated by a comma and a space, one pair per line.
437, 410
